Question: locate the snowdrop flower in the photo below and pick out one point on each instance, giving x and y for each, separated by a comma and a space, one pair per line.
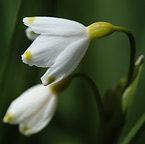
60, 45
33, 110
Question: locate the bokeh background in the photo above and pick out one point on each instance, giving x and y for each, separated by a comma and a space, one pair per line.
106, 61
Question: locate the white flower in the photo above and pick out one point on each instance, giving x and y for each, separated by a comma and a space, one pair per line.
33, 110
60, 45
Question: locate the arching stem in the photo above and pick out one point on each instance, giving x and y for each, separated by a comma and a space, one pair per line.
132, 51
96, 93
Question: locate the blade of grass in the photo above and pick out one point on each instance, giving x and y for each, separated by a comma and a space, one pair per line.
9, 49
135, 132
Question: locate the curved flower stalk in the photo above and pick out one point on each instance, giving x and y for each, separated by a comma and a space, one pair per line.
33, 110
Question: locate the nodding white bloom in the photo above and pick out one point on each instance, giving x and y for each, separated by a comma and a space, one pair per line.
33, 110
60, 45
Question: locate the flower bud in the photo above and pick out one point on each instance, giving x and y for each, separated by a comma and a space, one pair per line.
118, 98
130, 90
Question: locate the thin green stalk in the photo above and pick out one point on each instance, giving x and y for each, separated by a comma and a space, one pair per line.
96, 93
9, 49
4, 67
132, 50
135, 132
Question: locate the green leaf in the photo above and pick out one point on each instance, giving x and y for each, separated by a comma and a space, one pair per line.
135, 132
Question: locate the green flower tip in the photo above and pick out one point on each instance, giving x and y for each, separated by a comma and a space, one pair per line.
140, 60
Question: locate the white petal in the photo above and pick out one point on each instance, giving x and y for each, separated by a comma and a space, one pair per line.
67, 61
45, 50
28, 103
40, 119
31, 35
55, 26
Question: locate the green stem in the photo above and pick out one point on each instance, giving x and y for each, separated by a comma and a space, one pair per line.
132, 50
9, 49
135, 132
96, 92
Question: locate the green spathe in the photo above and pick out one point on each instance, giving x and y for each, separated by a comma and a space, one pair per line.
130, 90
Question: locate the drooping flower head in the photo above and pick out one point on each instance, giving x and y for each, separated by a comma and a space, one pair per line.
33, 109
60, 44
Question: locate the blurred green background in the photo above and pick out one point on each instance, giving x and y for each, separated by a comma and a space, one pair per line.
106, 61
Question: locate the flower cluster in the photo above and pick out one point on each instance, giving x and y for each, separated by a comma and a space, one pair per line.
60, 45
